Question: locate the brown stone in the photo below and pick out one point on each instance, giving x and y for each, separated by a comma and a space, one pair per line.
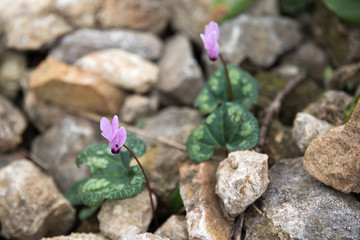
204, 217
334, 159
71, 87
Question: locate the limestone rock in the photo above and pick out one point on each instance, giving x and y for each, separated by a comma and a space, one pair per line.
27, 32
52, 80
80, 13
12, 125
331, 107
59, 146
174, 228
144, 15
144, 236
119, 218
78, 236
306, 128
12, 68
31, 207
122, 69
297, 206
84, 41
241, 179
204, 216
179, 70
334, 159
136, 106
263, 8
11, 9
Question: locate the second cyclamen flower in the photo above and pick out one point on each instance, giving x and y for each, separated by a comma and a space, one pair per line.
210, 39
116, 136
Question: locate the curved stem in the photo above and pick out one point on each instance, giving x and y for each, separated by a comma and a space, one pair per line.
227, 77
147, 184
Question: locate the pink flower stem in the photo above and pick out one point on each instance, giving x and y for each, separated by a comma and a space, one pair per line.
227, 77
147, 184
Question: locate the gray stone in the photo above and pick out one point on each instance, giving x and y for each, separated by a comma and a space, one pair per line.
299, 207
78, 236
241, 179
345, 75
11, 9
31, 207
12, 125
306, 128
174, 228
331, 107
144, 236
84, 41
263, 8
122, 69
59, 146
179, 70
137, 106
120, 218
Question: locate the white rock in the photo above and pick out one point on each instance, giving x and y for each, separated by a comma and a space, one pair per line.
143, 236
136, 106
241, 179
307, 127
174, 228
123, 69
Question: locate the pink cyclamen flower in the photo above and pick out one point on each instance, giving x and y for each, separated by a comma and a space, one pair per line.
210, 39
110, 131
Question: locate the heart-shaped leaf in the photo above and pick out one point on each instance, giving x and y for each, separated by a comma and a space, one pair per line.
216, 90
225, 9
230, 126
111, 175
348, 10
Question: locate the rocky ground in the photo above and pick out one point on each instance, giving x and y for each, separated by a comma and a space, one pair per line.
64, 64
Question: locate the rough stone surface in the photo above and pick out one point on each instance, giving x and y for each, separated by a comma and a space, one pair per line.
11, 9
84, 41
345, 75
263, 8
144, 236
204, 217
52, 80
331, 107
179, 70
59, 146
80, 13
241, 179
297, 206
306, 128
334, 159
119, 218
12, 125
31, 207
174, 228
145, 15
27, 32
12, 68
122, 69
137, 106
78, 236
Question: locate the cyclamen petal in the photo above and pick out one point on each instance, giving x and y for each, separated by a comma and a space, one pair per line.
116, 136
106, 128
210, 40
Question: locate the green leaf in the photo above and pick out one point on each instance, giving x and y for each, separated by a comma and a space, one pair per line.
230, 126
87, 212
226, 9
350, 108
111, 175
348, 10
293, 7
175, 202
216, 90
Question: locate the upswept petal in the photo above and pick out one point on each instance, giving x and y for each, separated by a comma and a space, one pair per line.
115, 123
106, 128
122, 135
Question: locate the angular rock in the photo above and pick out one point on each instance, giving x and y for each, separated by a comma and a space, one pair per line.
179, 70
12, 68
297, 206
144, 15
80, 13
138, 106
27, 32
119, 218
334, 159
331, 107
122, 69
306, 128
78, 236
84, 41
12, 125
59, 146
144, 236
52, 80
204, 217
174, 228
31, 207
11, 9
241, 179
